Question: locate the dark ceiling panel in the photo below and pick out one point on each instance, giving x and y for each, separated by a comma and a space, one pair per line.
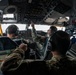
37, 10
3, 2
68, 2
62, 8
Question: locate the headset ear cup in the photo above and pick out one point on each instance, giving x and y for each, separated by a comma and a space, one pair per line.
49, 45
17, 32
52, 44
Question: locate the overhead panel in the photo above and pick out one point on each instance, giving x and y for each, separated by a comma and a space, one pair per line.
62, 8
38, 10
3, 2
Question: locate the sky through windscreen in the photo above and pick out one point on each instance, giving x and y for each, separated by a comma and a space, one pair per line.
23, 27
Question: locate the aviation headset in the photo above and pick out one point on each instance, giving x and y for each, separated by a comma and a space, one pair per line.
12, 29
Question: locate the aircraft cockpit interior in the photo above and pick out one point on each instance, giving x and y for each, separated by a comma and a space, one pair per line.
37, 37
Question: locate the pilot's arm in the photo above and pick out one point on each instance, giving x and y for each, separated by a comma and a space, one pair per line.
36, 38
14, 60
33, 32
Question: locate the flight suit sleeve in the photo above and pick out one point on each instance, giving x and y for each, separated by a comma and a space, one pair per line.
35, 36
13, 61
37, 39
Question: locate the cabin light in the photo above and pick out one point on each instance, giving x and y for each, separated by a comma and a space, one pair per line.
29, 1
0, 0
67, 18
8, 16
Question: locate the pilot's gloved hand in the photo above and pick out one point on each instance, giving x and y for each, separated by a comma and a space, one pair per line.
32, 25
23, 46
